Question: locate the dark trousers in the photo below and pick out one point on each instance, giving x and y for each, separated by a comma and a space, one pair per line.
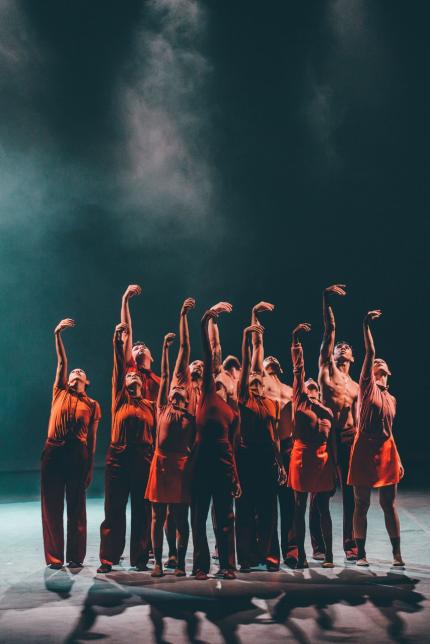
211, 483
63, 472
257, 510
348, 503
126, 474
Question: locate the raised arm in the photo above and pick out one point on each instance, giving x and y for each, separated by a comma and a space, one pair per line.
246, 360
208, 358
183, 359
61, 374
131, 291
327, 345
257, 338
118, 374
298, 360
369, 345
215, 343
163, 392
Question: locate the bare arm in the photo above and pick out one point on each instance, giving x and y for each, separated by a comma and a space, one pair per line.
215, 343
298, 360
257, 338
132, 290
211, 314
61, 374
246, 360
369, 345
165, 371
327, 345
183, 359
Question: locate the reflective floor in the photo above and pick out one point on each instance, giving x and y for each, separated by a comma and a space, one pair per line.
345, 604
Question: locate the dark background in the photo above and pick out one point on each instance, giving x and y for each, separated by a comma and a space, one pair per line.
221, 150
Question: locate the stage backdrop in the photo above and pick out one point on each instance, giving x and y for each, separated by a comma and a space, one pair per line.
222, 150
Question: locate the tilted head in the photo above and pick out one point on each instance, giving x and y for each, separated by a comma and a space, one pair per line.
178, 396
343, 352
78, 380
196, 369
256, 386
313, 389
272, 365
221, 389
381, 371
133, 382
141, 354
233, 366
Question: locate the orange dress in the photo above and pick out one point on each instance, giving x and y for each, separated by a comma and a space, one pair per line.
312, 466
374, 461
170, 474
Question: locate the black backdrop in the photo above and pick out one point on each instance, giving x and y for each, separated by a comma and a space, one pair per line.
221, 150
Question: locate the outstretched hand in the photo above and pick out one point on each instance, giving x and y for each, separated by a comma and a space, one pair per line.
373, 315
237, 490
169, 338
67, 323
121, 328
221, 307
263, 306
337, 289
305, 326
254, 328
132, 290
188, 304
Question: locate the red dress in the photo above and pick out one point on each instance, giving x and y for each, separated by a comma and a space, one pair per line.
312, 466
374, 461
170, 473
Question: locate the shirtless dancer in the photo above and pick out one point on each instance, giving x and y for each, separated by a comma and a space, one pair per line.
281, 394
340, 394
227, 372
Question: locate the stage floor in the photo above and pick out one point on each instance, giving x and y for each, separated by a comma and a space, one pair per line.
345, 604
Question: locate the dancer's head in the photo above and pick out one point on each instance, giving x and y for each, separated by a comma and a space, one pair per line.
141, 354
381, 371
196, 369
133, 383
272, 365
313, 389
78, 380
342, 353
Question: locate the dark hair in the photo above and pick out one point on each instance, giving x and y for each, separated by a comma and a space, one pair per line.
230, 362
341, 342
138, 342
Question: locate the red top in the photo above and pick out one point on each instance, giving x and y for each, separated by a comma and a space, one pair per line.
216, 424
258, 418
150, 381
175, 429
312, 420
71, 415
133, 419
182, 378
377, 407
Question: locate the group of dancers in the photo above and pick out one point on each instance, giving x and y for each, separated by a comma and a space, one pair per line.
228, 433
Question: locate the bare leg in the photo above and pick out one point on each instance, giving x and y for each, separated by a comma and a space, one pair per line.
180, 512
362, 503
300, 499
158, 519
387, 500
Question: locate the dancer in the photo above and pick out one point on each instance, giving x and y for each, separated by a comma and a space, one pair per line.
281, 394
127, 465
260, 464
189, 376
136, 353
215, 474
312, 462
67, 461
340, 393
169, 478
375, 461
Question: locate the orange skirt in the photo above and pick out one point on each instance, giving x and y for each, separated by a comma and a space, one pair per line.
374, 461
169, 478
311, 468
